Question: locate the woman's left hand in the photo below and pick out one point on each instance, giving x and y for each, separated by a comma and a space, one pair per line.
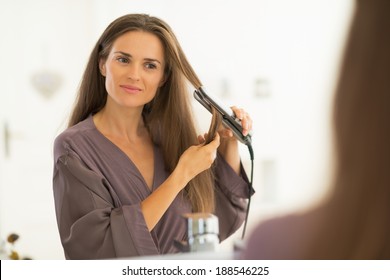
228, 147
246, 123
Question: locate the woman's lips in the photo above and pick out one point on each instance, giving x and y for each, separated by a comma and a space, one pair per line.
131, 89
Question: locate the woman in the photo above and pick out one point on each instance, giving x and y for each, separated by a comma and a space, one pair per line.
353, 223
130, 163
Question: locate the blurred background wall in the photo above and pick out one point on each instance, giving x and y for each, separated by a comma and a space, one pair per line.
278, 59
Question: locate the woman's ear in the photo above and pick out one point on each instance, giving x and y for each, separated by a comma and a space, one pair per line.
102, 67
162, 82
164, 78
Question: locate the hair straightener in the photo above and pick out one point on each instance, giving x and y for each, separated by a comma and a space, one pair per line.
231, 121
228, 118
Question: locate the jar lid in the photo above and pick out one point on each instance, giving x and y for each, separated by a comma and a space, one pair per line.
201, 223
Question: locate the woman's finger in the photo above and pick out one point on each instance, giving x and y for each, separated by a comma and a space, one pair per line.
201, 139
245, 119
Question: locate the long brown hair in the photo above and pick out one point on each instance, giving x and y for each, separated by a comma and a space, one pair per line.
357, 216
169, 115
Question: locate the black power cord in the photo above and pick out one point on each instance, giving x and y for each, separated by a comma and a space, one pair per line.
250, 189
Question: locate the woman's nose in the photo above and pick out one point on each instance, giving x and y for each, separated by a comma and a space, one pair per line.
134, 72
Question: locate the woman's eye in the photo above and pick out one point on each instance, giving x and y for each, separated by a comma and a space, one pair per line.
123, 60
150, 66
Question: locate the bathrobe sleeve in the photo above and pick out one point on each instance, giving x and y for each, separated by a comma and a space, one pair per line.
231, 192
92, 222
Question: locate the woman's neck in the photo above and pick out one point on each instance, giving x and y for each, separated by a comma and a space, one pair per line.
125, 123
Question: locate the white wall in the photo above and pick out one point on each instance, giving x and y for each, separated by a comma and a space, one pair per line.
276, 58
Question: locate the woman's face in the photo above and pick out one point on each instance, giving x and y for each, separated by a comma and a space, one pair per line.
134, 69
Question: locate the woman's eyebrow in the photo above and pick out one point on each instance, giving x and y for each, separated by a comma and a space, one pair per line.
153, 60
147, 59
123, 53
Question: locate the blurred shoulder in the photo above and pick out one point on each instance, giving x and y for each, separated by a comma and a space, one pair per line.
284, 237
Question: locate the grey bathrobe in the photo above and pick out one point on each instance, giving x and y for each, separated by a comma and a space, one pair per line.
98, 191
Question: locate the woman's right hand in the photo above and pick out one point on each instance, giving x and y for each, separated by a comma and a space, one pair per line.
197, 158
193, 161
